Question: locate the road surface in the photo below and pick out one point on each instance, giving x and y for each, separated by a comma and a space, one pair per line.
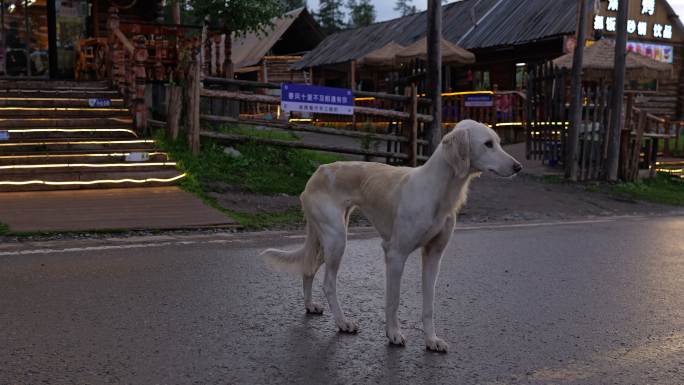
585, 302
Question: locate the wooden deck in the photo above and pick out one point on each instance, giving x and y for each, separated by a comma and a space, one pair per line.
146, 208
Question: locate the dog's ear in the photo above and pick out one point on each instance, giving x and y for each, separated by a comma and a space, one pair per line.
456, 147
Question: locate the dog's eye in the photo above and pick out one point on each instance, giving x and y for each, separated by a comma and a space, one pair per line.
489, 144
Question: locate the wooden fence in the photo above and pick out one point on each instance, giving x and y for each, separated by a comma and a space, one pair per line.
403, 129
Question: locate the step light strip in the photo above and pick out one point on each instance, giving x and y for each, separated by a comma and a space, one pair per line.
79, 142
55, 99
112, 154
62, 109
86, 165
122, 120
92, 182
28, 130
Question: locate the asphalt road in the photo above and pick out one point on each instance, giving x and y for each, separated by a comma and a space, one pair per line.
591, 302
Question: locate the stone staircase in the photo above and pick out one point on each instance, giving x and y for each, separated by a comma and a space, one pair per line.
57, 135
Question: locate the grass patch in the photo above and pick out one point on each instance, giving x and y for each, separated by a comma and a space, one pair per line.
259, 169
552, 179
674, 150
661, 189
4, 229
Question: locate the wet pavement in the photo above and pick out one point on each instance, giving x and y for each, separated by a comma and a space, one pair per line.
585, 302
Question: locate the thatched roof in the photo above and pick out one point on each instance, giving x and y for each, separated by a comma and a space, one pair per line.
451, 53
383, 56
599, 61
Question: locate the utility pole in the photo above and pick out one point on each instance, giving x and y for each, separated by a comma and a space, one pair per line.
434, 74
613, 160
572, 155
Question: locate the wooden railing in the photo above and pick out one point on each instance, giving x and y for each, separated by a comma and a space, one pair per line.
127, 69
140, 52
403, 142
642, 138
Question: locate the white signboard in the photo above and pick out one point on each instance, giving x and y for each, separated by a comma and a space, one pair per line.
138, 157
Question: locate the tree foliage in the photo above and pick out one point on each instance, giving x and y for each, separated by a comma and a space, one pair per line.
361, 13
330, 15
238, 16
405, 7
290, 5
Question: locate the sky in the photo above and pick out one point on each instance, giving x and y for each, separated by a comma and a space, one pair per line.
385, 11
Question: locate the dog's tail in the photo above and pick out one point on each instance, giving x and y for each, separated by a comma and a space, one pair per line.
304, 261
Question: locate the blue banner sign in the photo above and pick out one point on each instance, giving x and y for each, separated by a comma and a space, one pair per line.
4, 135
316, 99
99, 103
479, 100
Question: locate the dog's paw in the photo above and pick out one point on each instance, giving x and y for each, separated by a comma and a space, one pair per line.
396, 338
436, 345
314, 308
347, 326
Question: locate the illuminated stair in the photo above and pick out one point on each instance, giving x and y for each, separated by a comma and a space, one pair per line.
54, 137
672, 167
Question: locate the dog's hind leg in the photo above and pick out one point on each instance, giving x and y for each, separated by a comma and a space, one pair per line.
311, 307
432, 255
332, 229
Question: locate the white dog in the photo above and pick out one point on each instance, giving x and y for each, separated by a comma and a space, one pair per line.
409, 207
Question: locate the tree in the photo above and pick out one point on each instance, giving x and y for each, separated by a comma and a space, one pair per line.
237, 16
290, 5
405, 8
330, 15
361, 13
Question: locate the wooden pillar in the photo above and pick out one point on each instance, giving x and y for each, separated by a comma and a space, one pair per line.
140, 55
615, 126
193, 105
572, 152
434, 72
413, 127
352, 74
175, 12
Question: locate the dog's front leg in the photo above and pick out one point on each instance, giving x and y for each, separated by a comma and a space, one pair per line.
394, 269
432, 255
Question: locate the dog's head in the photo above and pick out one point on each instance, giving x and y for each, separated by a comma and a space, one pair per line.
473, 147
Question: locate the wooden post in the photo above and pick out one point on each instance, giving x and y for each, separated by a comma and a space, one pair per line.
632, 173
174, 110
194, 84
352, 74
175, 12
140, 55
572, 153
434, 72
618, 93
413, 128
666, 142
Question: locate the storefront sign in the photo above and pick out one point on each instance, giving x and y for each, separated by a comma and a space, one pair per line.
659, 52
99, 103
479, 100
316, 99
4, 135
640, 27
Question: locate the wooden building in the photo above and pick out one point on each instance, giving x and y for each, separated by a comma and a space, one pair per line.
506, 37
268, 56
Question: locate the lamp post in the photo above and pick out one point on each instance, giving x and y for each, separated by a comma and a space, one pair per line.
615, 127
434, 74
